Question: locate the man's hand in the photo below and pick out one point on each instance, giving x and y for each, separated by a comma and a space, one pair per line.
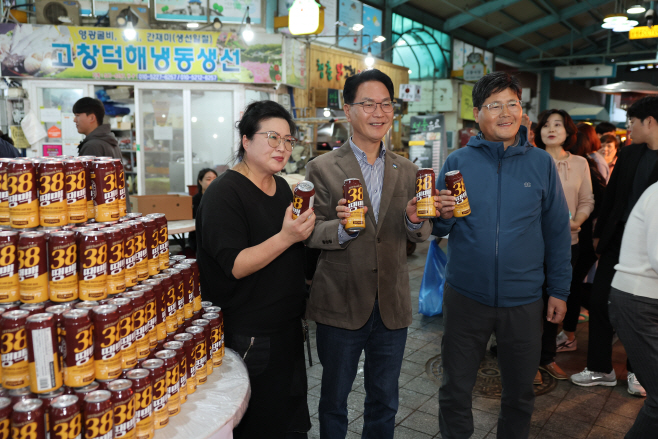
447, 204
343, 212
557, 308
413, 204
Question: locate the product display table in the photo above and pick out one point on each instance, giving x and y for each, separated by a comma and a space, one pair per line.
182, 226
216, 407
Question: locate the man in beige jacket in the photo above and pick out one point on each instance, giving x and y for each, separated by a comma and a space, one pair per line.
360, 293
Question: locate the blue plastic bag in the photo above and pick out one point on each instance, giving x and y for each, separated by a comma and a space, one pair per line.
430, 299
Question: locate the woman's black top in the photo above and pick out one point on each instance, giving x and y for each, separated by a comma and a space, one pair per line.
234, 215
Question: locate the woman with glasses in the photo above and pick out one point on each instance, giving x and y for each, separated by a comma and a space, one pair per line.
251, 259
556, 133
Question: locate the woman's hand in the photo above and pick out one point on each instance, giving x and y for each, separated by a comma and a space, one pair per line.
295, 230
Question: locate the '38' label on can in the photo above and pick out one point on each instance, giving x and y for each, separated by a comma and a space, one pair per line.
105, 191
33, 267
353, 193
23, 201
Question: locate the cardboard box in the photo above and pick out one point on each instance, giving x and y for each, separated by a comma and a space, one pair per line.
175, 207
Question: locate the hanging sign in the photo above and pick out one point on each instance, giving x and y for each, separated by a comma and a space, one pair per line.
305, 18
154, 55
641, 32
474, 68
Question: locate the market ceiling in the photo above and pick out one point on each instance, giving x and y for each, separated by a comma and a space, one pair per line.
532, 33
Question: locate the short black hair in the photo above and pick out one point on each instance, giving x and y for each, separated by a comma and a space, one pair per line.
605, 127
353, 82
257, 112
494, 82
202, 174
90, 106
569, 126
643, 108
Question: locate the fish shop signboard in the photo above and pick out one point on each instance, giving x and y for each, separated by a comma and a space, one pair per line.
154, 55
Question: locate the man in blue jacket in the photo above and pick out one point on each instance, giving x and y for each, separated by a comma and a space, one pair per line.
498, 256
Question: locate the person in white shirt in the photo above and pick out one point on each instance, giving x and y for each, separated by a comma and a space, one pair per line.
633, 305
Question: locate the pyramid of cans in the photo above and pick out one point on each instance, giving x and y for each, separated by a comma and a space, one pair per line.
103, 334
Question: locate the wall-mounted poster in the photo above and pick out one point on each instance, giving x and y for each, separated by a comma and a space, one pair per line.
232, 11
295, 62
182, 10
372, 25
350, 12
101, 7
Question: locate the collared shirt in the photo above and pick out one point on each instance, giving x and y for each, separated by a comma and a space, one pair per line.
373, 176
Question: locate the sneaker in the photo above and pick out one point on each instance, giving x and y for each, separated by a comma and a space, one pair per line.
588, 378
564, 344
634, 386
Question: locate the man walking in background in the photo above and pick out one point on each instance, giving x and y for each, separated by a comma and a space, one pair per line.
99, 140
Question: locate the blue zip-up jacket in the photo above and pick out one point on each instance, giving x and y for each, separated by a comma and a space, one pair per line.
519, 221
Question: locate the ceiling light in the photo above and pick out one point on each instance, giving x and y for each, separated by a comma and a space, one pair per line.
214, 136
121, 21
401, 42
370, 60
410, 72
631, 23
609, 25
357, 27
327, 112
636, 9
194, 119
380, 39
217, 24
635, 69
129, 33
247, 33
623, 27
220, 119
618, 18
192, 25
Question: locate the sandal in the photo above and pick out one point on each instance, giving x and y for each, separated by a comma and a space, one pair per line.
583, 317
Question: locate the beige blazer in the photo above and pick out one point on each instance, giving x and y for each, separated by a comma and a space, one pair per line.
348, 277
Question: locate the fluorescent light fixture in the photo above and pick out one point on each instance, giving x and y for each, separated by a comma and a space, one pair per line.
636, 9
192, 25
357, 27
380, 39
618, 18
129, 33
370, 60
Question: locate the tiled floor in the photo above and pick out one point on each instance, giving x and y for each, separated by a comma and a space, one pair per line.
568, 411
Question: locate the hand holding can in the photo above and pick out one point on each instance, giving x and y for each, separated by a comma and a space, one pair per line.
353, 206
455, 184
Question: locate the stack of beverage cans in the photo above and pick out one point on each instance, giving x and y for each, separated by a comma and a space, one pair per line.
103, 334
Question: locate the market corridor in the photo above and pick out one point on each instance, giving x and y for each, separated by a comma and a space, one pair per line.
567, 411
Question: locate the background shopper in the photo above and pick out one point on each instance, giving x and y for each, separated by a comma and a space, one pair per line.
205, 177
99, 140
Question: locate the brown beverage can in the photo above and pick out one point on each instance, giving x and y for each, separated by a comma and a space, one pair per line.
9, 284
5, 417
121, 185
129, 256
33, 267
200, 353
216, 338
62, 266
83, 391
23, 199
143, 390
304, 196
160, 308
18, 395
425, 187
126, 332
123, 402
197, 284
53, 210
149, 313
58, 313
217, 310
152, 235
43, 353
140, 322
98, 415
116, 270
34, 308
92, 272
172, 372
4, 192
170, 301
76, 191
79, 368
207, 332
455, 184
179, 287
107, 342
163, 240
188, 285
104, 191
188, 348
181, 359
87, 162
353, 193
47, 399
15, 371
65, 418
28, 420
156, 369
141, 253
